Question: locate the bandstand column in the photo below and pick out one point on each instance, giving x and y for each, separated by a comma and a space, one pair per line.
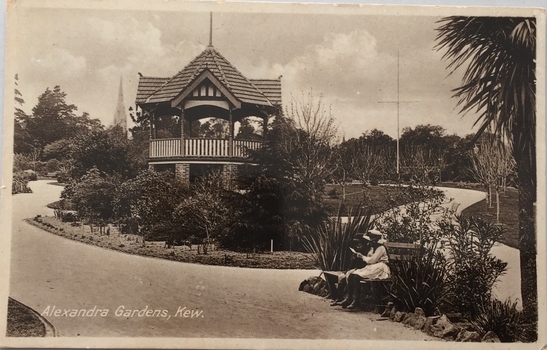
231, 138
182, 148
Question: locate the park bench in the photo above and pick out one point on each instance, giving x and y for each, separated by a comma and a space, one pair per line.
396, 252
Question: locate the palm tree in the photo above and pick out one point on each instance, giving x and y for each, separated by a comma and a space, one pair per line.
498, 55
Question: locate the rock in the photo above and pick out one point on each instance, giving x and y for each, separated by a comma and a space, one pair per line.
399, 316
491, 337
468, 336
419, 312
420, 323
392, 314
444, 328
408, 318
313, 285
429, 321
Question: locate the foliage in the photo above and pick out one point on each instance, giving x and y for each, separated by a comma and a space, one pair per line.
419, 281
108, 150
299, 161
330, 243
499, 54
501, 317
204, 210
53, 119
93, 196
20, 183
256, 217
411, 222
473, 271
146, 204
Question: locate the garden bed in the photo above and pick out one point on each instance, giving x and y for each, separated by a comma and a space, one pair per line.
131, 244
23, 322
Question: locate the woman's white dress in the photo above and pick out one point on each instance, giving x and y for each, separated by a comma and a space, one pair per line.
377, 267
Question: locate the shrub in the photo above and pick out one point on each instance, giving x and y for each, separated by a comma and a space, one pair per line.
419, 281
503, 318
412, 222
330, 243
20, 183
473, 271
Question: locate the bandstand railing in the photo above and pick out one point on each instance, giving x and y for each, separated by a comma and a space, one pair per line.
201, 147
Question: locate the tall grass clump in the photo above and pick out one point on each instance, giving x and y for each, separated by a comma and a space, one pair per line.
501, 317
419, 281
330, 243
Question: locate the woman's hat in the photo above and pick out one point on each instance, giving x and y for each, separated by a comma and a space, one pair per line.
374, 235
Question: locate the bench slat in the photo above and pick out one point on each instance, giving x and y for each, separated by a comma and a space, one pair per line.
402, 245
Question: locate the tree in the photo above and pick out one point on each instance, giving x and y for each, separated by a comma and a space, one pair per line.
93, 197
492, 163
247, 131
498, 55
342, 165
108, 150
53, 119
423, 151
297, 153
22, 142
204, 210
369, 160
147, 202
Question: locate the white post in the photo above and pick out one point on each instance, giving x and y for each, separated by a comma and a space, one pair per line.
271, 246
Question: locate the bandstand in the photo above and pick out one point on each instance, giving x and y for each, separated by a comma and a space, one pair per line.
209, 86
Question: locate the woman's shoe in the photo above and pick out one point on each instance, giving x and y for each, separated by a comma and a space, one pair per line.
346, 302
354, 305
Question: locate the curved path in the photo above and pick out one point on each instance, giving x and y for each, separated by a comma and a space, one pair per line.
50, 271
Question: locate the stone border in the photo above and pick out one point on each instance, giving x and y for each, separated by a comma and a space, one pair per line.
50, 329
439, 326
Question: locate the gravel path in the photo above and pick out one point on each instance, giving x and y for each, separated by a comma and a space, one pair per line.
50, 271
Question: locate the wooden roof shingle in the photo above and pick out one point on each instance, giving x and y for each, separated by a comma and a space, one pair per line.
259, 91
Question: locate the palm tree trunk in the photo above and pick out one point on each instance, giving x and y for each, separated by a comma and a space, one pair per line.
527, 236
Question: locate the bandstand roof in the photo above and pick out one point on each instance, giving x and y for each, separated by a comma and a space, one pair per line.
263, 92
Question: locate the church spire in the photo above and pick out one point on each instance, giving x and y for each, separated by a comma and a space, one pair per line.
120, 118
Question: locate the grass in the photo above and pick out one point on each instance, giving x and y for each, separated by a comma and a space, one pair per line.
508, 215
357, 195
22, 322
131, 245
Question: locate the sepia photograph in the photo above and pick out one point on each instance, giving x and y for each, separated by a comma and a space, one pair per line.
239, 175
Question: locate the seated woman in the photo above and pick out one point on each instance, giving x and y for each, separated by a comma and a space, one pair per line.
377, 268
360, 245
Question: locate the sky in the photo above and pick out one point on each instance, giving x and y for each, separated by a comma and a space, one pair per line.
350, 59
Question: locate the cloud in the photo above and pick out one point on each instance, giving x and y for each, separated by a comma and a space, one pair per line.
71, 65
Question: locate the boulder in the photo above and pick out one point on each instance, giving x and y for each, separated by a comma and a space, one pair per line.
443, 328
407, 318
429, 321
314, 285
468, 336
491, 337
399, 316
392, 313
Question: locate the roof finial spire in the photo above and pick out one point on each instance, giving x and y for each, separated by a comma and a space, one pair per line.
211, 30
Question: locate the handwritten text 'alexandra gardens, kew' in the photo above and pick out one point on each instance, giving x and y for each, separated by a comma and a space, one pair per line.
122, 311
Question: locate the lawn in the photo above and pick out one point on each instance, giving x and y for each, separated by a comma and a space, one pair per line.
374, 197
508, 215
22, 322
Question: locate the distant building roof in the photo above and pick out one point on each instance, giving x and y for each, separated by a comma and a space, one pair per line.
261, 91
